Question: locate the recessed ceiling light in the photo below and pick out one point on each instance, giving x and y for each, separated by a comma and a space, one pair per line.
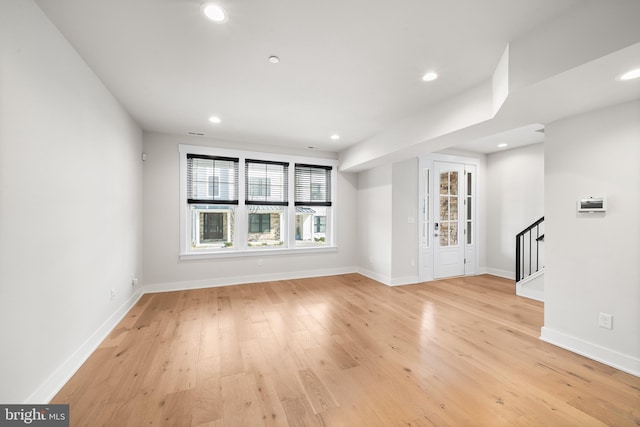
502, 145
335, 137
214, 12
430, 76
215, 119
629, 75
274, 59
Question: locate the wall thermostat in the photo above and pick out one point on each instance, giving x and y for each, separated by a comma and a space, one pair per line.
592, 204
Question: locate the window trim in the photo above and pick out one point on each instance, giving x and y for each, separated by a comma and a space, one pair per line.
240, 247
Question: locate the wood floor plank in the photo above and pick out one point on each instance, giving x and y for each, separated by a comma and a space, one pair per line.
344, 351
230, 355
265, 393
300, 414
207, 397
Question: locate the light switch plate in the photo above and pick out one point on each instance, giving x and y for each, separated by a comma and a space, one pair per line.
605, 321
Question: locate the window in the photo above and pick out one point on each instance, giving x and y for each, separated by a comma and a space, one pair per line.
258, 187
313, 203
212, 193
267, 182
212, 226
266, 197
214, 187
313, 185
320, 224
212, 179
259, 223
237, 202
267, 226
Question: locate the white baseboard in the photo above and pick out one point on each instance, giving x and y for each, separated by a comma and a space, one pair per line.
623, 362
532, 287
497, 272
239, 280
52, 385
407, 280
534, 294
385, 280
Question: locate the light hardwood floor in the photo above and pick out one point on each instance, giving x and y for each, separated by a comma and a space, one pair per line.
344, 351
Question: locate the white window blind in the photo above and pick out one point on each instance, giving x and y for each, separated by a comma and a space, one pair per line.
266, 183
313, 185
212, 180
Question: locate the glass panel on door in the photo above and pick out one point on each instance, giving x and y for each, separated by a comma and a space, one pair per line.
448, 208
425, 210
469, 202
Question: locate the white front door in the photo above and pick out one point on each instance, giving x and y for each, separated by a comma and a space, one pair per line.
449, 220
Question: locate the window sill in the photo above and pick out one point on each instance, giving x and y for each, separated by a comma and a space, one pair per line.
255, 252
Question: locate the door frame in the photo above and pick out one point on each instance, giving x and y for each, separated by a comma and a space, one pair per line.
426, 253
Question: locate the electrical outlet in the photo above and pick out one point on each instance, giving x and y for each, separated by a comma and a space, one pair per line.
113, 294
134, 281
605, 321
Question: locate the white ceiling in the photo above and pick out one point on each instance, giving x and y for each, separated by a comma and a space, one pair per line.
513, 138
347, 67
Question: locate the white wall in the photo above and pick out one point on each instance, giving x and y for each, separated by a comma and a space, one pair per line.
375, 223
515, 199
70, 206
405, 218
387, 241
592, 259
162, 268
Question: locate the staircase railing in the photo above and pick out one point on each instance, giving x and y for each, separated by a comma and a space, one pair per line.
528, 249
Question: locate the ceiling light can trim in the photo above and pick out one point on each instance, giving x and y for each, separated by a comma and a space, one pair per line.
631, 74
214, 12
429, 76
